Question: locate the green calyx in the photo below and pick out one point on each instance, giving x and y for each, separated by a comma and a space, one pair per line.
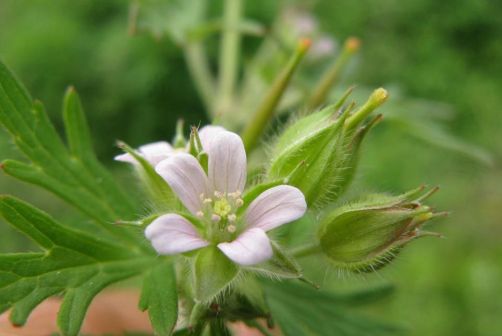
322, 149
364, 235
311, 146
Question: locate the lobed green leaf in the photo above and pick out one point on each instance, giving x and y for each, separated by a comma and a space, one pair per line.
73, 173
159, 297
301, 310
72, 262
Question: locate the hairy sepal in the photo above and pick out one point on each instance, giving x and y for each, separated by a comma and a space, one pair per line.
314, 149
365, 235
212, 273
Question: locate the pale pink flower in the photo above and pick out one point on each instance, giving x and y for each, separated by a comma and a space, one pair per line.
153, 153
157, 151
215, 198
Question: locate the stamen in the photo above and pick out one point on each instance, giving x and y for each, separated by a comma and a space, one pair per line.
239, 202
218, 194
215, 218
232, 218
235, 194
231, 228
200, 214
207, 200
201, 196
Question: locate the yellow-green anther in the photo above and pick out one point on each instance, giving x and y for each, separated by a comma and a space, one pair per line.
221, 207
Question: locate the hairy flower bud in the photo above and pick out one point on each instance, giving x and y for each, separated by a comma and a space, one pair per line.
318, 153
309, 153
365, 235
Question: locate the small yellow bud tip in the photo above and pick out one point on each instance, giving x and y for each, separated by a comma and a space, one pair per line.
353, 44
304, 44
380, 95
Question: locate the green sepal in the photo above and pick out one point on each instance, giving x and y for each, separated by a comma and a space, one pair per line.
196, 221
366, 234
212, 273
203, 160
311, 153
162, 195
197, 315
140, 223
352, 154
250, 300
281, 265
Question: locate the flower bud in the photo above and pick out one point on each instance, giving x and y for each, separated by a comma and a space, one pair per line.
365, 235
309, 154
318, 153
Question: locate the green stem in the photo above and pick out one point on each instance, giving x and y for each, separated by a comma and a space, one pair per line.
256, 126
229, 54
262, 329
307, 250
329, 79
195, 56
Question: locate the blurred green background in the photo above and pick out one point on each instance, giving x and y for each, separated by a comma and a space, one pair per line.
134, 87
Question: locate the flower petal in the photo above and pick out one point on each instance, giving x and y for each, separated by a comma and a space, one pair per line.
173, 234
156, 151
153, 152
185, 176
227, 162
207, 133
275, 207
125, 157
250, 248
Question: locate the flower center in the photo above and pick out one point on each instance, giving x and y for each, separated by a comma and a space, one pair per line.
222, 208
220, 212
